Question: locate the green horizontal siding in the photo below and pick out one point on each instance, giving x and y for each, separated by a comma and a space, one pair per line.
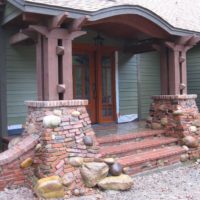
193, 72
21, 81
149, 70
128, 92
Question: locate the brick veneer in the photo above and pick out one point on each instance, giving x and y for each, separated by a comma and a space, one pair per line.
61, 143
177, 111
11, 174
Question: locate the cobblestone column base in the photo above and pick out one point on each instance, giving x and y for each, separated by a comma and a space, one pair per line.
175, 113
62, 145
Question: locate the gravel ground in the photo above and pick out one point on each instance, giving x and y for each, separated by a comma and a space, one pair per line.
173, 183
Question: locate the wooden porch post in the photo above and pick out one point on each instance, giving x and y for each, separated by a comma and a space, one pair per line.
174, 72
67, 75
183, 72
164, 70
177, 63
54, 58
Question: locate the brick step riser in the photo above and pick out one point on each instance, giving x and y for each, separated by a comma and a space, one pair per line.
139, 150
138, 139
142, 167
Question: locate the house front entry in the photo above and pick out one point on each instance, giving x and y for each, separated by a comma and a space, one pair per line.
94, 80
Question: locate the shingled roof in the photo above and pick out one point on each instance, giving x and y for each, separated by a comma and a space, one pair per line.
184, 14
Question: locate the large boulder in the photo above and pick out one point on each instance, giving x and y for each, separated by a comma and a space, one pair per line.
122, 182
50, 187
93, 172
190, 141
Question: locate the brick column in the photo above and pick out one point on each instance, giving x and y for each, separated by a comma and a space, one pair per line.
175, 113
64, 142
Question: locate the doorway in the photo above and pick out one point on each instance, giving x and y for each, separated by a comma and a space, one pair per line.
94, 80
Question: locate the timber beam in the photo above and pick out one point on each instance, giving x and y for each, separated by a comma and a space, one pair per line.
57, 21
17, 38
77, 24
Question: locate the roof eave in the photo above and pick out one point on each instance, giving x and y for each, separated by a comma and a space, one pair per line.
99, 14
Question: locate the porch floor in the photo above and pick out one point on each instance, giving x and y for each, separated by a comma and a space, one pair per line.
114, 128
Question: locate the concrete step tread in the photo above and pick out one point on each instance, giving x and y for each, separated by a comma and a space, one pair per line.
117, 138
131, 146
151, 155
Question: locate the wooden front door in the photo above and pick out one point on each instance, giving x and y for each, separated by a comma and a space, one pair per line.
94, 80
106, 88
84, 81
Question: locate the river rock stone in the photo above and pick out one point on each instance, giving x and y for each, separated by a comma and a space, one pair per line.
88, 140
76, 161
164, 121
76, 192
190, 141
38, 147
26, 163
126, 170
178, 112
185, 148
93, 172
184, 157
50, 187
116, 169
122, 182
156, 126
162, 107
193, 129
14, 142
57, 112
76, 113
51, 121
109, 161
68, 179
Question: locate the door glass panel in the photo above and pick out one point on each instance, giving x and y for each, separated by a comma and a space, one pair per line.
81, 75
107, 97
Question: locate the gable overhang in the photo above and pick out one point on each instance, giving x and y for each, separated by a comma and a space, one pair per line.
51, 10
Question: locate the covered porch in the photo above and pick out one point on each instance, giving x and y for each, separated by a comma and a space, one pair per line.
73, 64
83, 92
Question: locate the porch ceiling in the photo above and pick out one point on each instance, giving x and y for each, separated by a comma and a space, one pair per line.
128, 27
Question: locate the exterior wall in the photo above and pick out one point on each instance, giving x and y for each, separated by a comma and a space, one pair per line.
21, 81
193, 70
149, 81
128, 89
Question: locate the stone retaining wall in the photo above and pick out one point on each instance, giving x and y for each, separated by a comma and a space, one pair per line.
66, 138
15, 163
175, 113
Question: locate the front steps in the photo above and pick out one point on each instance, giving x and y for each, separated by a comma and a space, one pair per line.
141, 151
